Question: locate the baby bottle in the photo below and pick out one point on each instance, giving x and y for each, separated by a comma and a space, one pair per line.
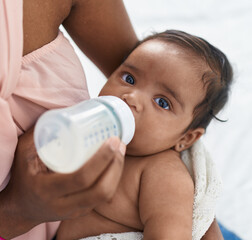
66, 138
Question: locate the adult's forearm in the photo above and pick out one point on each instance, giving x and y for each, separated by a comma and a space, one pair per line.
103, 31
12, 223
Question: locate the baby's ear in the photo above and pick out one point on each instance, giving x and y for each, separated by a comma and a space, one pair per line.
189, 138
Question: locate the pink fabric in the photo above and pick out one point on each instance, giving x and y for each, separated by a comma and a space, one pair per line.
10, 63
50, 77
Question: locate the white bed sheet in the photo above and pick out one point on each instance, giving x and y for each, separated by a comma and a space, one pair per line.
227, 24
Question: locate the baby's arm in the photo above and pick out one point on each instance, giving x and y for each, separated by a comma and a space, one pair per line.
166, 199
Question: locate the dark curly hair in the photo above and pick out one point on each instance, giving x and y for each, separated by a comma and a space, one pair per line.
217, 80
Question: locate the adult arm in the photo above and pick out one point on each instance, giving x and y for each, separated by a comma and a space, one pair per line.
102, 30
35, 195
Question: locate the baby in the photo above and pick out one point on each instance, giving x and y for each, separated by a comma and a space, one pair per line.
174, 83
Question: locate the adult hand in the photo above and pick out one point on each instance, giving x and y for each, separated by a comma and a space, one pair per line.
35, 194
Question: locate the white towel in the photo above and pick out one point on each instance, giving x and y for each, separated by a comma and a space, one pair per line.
208, 186
117, 236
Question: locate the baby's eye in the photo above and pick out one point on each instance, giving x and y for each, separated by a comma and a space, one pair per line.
128, 78
162, 103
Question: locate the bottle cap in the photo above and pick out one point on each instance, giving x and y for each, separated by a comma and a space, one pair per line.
124, 114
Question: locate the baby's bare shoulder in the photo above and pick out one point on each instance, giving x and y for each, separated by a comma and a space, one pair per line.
169, 167
168, 159
166, 193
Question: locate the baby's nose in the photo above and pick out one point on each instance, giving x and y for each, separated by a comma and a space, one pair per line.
134, 101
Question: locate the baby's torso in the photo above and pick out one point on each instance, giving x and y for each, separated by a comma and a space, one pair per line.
121, 214
123, 208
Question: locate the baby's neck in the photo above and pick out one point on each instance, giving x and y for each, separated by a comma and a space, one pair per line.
141, 155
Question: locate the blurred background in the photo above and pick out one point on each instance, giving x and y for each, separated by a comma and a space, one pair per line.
227, 24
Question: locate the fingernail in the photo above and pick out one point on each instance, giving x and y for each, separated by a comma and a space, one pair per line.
122, 148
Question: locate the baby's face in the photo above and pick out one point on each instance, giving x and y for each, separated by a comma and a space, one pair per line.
162, 86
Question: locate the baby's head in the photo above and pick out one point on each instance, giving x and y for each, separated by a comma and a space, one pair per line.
175, 83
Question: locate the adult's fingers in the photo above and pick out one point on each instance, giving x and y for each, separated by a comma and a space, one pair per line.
102, 190
63, 184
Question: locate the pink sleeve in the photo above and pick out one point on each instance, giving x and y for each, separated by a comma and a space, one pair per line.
11, 48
